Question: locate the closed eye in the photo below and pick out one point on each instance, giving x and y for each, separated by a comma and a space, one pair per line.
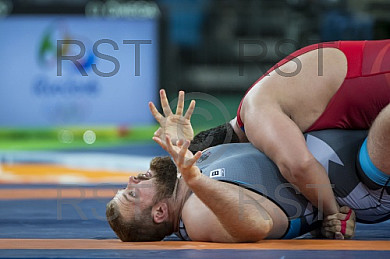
132, 194
126, 195
145, 176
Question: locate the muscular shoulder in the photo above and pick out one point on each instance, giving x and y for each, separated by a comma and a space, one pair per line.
301, 88
307, 71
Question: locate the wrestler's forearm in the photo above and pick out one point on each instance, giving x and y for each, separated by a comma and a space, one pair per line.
282, 141
313, 182
243, 217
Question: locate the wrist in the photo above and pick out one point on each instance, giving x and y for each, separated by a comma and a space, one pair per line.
195, 179
331, 211
335, 208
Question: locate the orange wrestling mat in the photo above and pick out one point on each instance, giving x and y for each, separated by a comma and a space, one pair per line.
178, 245
57, 193
46, 173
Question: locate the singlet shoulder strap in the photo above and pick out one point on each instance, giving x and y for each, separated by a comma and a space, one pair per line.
182, 232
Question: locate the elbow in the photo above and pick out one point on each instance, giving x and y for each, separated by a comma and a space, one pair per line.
296, 170
263, 231
255, 234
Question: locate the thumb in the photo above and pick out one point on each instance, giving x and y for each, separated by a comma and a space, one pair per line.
345, 209
158, 132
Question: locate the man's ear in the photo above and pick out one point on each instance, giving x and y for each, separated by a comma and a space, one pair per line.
160, 212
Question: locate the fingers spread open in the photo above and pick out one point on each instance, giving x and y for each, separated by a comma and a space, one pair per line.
160, 142
182, 154
171, 150
180, 104
164, 103
158, 132
195, 158
155, 112
180, 142
190, 110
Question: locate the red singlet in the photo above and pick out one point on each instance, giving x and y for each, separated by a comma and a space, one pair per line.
364, 92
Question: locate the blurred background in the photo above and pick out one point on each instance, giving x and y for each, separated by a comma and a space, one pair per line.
77, 75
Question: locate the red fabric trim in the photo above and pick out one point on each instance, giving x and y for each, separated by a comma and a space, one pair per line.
344, 222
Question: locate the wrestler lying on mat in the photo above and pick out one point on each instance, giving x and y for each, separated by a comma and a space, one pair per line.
329, 85
234, 193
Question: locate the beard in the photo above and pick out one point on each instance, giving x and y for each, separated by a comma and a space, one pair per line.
165, 174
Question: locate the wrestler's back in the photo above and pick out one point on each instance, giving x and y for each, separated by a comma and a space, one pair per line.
297, 88
308, 88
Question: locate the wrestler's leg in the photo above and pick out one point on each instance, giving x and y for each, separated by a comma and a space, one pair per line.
378, 141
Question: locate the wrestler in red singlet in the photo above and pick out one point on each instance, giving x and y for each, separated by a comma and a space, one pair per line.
364, 92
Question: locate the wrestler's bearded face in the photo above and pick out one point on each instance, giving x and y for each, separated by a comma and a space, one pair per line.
131, 218
165, 174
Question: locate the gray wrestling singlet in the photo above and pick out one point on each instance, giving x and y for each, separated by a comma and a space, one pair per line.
242, 164
337, 150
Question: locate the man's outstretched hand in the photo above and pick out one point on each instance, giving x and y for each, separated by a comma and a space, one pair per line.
175, 125
183, 158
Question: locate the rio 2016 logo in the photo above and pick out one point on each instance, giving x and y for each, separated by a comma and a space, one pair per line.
49, 53
58, 46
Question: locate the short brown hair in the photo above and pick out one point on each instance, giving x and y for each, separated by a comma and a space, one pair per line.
164, 167
141, 228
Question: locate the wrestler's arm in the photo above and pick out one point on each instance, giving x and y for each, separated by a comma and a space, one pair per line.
273, 132
217, 215
225, 216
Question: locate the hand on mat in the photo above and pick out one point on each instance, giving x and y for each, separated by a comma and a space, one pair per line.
183, 158
340, 225
175, 125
